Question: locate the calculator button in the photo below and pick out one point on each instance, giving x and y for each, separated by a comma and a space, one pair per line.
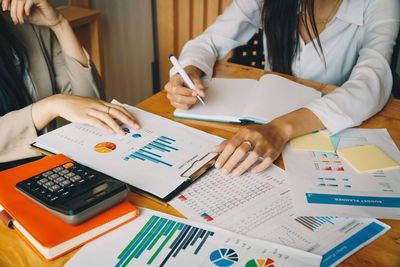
59, 168
64, 183
72, 186
53, 176
91, 176
47, 173
42, 192
42, 181
54, 188
69, 175
65, 194
81, 181
75, 178
36, 189
67, 165
59, 191
64, 172
59, 179
47, 184
28, 183
54, 198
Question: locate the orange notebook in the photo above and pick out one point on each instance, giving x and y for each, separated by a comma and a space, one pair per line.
47, 234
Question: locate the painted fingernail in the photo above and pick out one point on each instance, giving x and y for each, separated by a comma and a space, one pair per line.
217, 164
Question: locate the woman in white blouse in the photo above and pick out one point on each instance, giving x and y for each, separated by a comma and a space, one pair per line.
347, 43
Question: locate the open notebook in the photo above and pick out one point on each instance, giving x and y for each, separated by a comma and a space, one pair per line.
248, 100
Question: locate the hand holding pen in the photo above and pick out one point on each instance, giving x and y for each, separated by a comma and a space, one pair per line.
178, 89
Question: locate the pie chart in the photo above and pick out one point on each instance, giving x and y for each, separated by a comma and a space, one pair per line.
105, 147
260, 263
224, 257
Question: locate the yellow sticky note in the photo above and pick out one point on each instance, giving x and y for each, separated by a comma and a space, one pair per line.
312, 142
367, 158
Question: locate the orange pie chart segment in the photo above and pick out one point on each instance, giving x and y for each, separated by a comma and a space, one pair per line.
105, 147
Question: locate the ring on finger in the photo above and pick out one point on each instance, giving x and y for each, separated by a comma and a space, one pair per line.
247, 142
108, 109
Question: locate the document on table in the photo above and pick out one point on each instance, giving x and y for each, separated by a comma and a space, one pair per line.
260, 206
327, 185
158, 239
158, 158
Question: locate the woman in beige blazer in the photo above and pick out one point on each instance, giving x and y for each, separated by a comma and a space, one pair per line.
53, 77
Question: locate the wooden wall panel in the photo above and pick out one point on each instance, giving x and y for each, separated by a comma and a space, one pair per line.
183, 23
213, 10
179, 21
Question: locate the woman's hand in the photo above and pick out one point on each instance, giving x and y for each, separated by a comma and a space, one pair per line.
84, 110
266, 141
180, 96
38, 12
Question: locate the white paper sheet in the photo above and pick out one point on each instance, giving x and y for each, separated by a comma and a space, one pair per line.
326, 185
162, 240
152, 158
260, 206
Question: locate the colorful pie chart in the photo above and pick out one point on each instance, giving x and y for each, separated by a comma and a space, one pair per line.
260, 263
105, 147
224, 257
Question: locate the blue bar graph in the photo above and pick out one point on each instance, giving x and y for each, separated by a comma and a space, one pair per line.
154, 151
162, 231
313, 222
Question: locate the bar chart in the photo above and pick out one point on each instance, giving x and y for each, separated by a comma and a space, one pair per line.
314, 222
156, 239
154, 151
155, 235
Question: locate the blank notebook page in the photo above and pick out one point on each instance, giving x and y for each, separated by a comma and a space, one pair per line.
225, 98
276, 96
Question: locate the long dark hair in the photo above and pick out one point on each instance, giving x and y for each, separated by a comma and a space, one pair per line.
13, 92
281, 20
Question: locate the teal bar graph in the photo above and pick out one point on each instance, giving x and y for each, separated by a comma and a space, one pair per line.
154, 236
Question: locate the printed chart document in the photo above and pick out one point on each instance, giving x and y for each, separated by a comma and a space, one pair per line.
327, 185
158, 239
159, 158
260, 206
248, 100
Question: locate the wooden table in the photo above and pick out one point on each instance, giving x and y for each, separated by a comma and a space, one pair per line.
385, 251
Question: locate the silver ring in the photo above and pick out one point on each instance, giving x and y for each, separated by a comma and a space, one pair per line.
248, 143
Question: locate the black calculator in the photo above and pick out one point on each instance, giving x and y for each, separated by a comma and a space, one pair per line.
73, 192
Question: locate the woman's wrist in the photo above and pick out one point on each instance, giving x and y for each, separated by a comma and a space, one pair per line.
43, 111
296, 123
193, 71
60, 25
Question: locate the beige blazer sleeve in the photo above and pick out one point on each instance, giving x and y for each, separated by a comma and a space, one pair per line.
51, 72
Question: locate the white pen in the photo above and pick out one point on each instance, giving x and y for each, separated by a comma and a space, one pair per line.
184, 75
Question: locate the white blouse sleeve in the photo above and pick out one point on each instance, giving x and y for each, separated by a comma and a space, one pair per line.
370, 83
233, 28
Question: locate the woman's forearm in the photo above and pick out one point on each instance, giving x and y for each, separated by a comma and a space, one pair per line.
43, 112
298, 122
68, 41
